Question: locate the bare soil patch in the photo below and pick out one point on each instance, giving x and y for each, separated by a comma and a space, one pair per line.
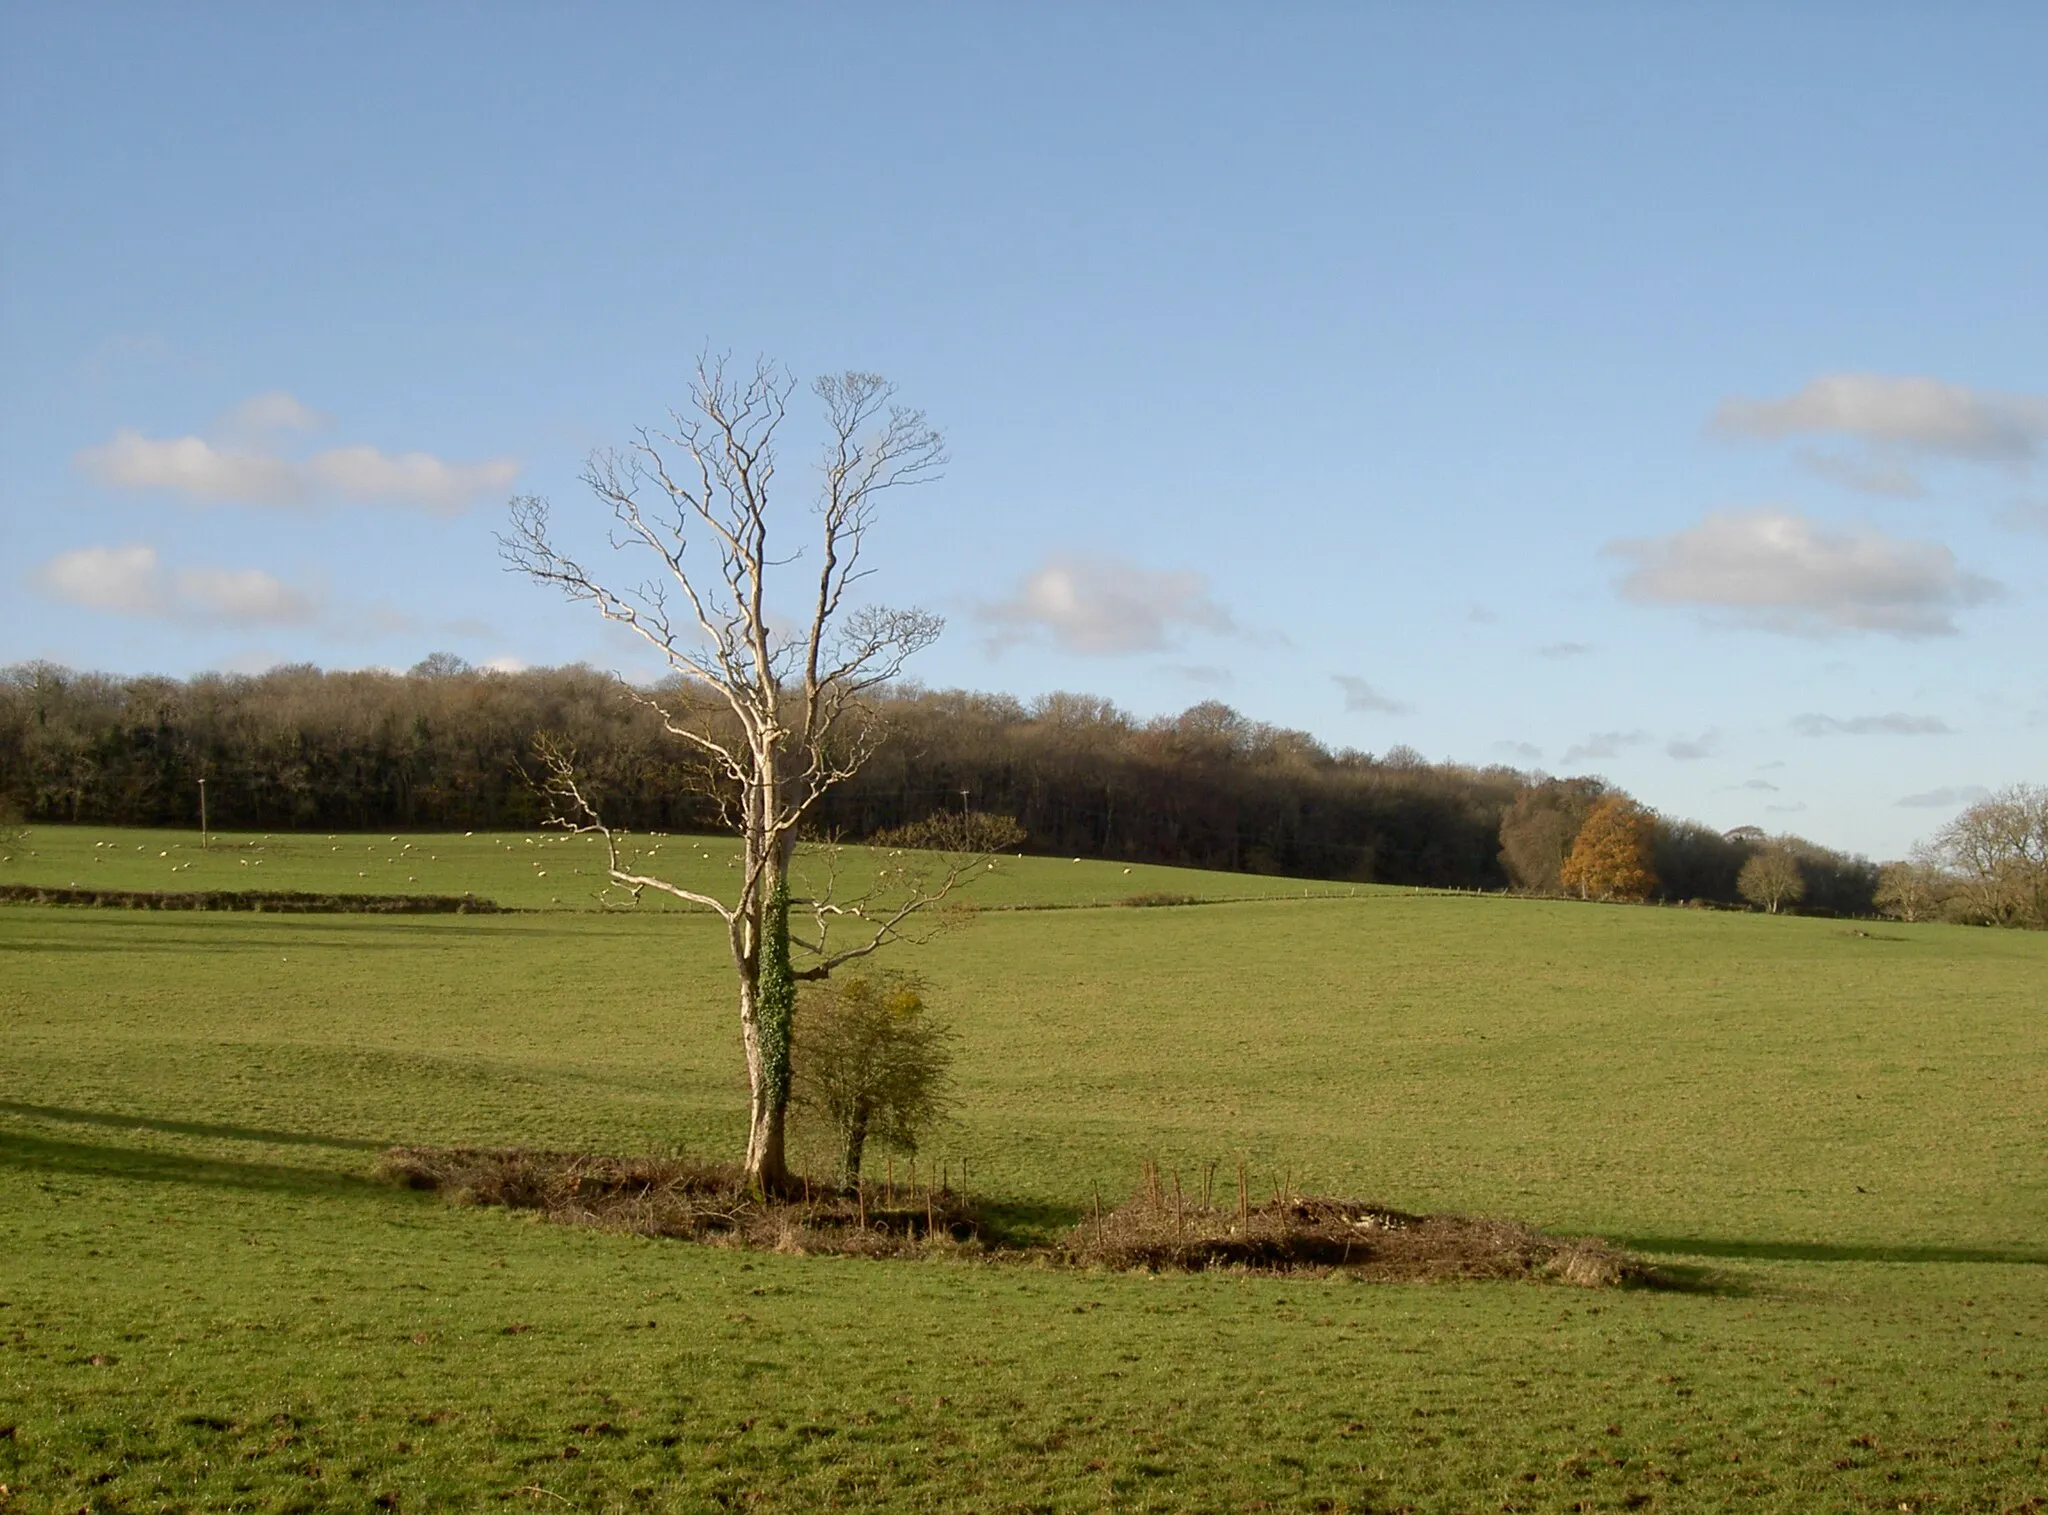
1151, 1231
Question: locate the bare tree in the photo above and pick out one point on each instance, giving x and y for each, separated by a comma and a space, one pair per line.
774, 711
1997, 853
1911, 891
1772, 878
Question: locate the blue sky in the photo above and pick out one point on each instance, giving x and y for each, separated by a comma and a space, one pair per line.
1648, 392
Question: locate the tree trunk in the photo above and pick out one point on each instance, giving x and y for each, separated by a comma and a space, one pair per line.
767, 1164
856, 1143
767, 1006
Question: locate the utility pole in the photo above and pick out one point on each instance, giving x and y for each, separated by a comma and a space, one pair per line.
202, 815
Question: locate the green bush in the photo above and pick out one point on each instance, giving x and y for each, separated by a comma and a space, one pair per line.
870, 1063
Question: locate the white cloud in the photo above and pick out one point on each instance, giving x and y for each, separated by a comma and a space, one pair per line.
195, 467
410, 478
1563, 649
131, 580
1776, 571
1106, 608
241, 465
1524, 752
505, 663
1916, 414
242, 595
126, 579
1946, 799
1362, 699
1604, 744
1893, 723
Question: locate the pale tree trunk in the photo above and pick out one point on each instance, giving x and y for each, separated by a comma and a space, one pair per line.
768, 990
767, 1107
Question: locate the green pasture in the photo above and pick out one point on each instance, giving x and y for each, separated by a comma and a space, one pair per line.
1829, 1133
549, 870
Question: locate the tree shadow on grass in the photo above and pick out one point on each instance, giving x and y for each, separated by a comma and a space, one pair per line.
1797, 1251
187, 1128
1025, 1223
36, 1154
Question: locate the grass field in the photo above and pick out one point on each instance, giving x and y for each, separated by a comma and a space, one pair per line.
1832, 1131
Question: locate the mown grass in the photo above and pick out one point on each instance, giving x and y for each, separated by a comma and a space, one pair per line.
1836, 1138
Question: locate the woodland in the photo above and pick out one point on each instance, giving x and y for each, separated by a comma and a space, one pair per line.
447, 746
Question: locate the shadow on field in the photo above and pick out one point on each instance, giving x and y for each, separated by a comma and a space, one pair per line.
35, 1154
1025, 1223
1802, 1251
186, 1127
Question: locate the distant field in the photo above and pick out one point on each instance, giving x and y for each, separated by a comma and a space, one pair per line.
545, 870
1835, 1130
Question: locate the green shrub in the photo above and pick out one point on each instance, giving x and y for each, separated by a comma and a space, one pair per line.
870, 1063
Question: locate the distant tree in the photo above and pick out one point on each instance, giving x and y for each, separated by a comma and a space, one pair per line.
871, 1063
1772, 878
1610, 859
1911, 891
955, 831
440, 665
1537, 832
1997, 852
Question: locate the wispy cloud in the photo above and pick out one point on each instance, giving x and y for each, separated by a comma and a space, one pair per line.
1893, 723
131, 580
1946, 799
1893, 423
1604, 744
1360, 698
266, 415
1521, 752
243, 463
1564, 649
1775, 571
1923, 414
1690, 749
1106, 607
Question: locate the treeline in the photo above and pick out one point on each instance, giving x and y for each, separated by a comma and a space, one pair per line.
448, 747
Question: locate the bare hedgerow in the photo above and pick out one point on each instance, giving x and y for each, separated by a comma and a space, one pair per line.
870, 1063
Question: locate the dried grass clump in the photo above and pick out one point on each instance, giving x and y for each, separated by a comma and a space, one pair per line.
1158, 1228
675, 1197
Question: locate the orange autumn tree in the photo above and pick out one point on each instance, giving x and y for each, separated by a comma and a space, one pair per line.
1610, 860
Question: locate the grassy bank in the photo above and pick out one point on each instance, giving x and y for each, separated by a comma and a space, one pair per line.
1835, 1136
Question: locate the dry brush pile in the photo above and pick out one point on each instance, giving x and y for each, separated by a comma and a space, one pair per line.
675, 1197
1155, 1229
